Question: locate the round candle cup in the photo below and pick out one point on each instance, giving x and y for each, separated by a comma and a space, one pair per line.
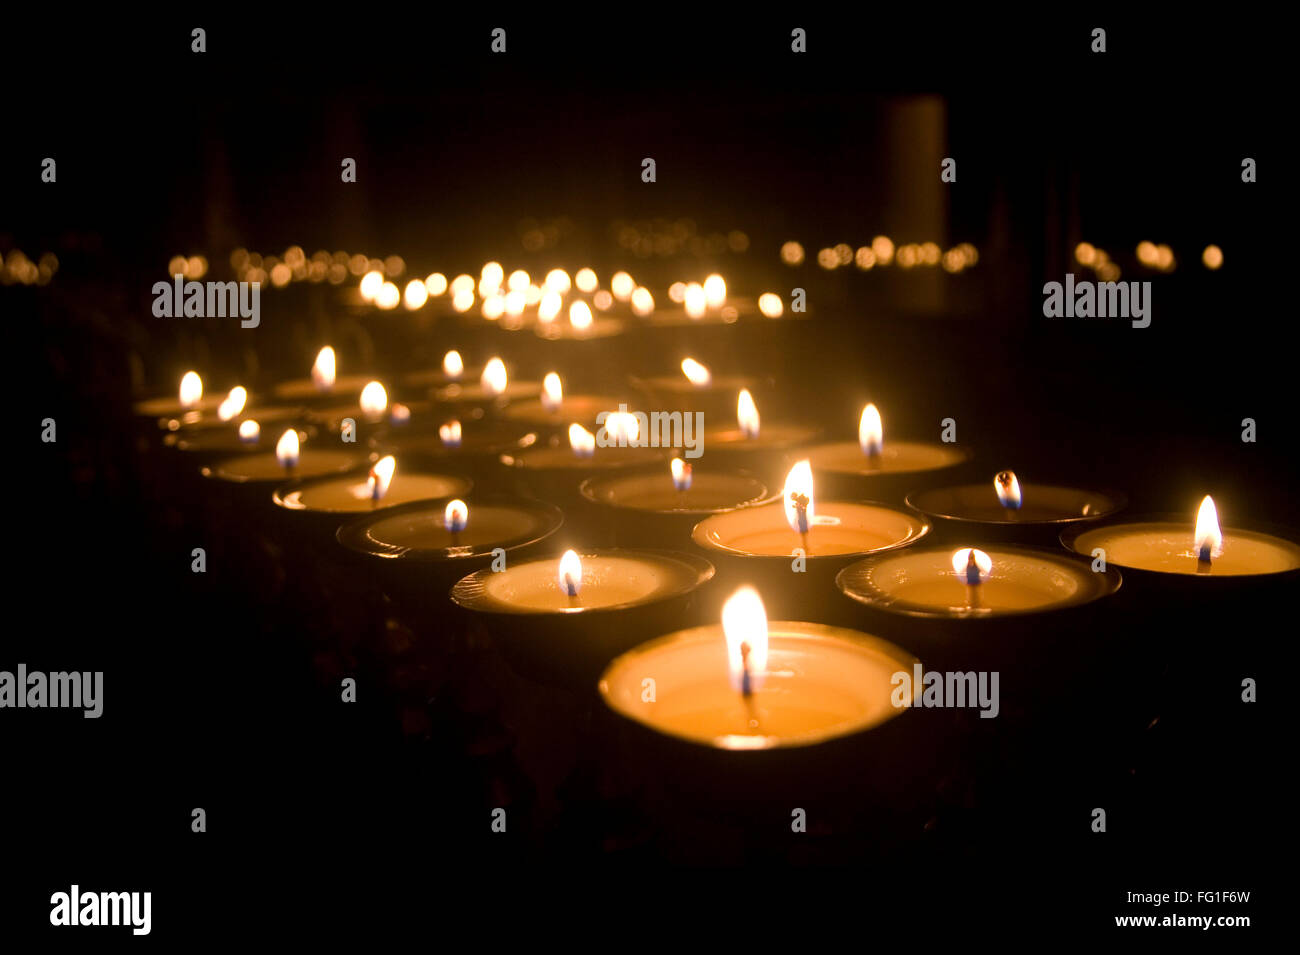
346, 388
552, 472
265, 468
769, 453
560, 330
482, 442
955, 511
1163, 544
997, 625
828, 730
217, 439
717, 399
902, 466
328, 502
472, 394
758, 544
626, 595
420, 559
647, 509
577, 407
170, 414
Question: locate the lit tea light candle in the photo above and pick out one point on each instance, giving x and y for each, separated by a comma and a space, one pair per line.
577, 584
799, 522
754, 684
1197, 548
555, 406
696, 387
250, 432
289, 461
872, 456
663, 505
425, 546
697, 374
233, 403
751, 437
1009, 509
973, 582
323, 384
188, 405
383, 485
494, 388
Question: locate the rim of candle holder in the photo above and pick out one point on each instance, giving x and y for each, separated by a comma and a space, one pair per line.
587, 490
1110, 580
305, 389
573, 463
427, 442
285, 495
470, 592
353, 535
198, 440
164, 408
679, 384
473, 393
763, 443
213, 471
1291, 535
965, 455
1118, 501
817, 633
925, 527
206, 424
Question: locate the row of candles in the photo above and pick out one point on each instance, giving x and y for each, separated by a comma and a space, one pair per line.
746, 682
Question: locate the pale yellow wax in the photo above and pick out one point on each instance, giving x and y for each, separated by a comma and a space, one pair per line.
924, 581
580, 408
709, 491
312, 462
764, 531
423, 529
821, 682
846, 457
1169, 547
352, 493
304, 389
607, 581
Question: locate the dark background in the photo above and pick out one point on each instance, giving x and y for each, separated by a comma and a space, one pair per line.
322, 816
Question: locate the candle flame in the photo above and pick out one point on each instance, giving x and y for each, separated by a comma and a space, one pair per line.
643, 303
233, 403
715, 291
744, 625
770, 304
747, 413
586, 280
249, 431
1209, 538
381, 476
191, 389
456, 516
871, 432
490, 278
552, 392
622, 428
582, 441
493, 378
549, 306
622, 285
681, 474
286, 449
696, 373
452, 364
324, 368
374, 399
973, 573
696, 301
797, 497
580, 315
570, 575
557, 280
1008, 488
371, 282
450, 433
399, 414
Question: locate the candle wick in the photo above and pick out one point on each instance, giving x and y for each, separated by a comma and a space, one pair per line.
746, 683
1203, 559
800, 502
570, 587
